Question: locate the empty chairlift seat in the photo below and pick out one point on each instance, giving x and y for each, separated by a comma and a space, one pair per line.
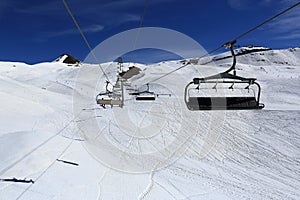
222, 103
145, 98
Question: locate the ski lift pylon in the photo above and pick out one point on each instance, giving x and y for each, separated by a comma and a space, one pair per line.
224, 102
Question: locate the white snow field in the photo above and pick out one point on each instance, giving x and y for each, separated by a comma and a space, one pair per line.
148, 150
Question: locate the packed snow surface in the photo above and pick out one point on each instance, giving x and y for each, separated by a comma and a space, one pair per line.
148, 150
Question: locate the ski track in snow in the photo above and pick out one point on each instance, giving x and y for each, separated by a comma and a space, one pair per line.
255, 155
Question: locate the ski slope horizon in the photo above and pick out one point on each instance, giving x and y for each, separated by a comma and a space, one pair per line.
255, 154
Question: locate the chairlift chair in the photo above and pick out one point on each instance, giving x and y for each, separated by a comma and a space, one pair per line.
224, 102
103, 101
145, 95
111, 98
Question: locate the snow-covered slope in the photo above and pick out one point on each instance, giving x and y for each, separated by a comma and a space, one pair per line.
264, 56
227, 155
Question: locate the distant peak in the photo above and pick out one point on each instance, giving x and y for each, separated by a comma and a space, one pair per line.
68, 59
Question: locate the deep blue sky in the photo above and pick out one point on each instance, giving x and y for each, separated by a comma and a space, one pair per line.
33, 31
